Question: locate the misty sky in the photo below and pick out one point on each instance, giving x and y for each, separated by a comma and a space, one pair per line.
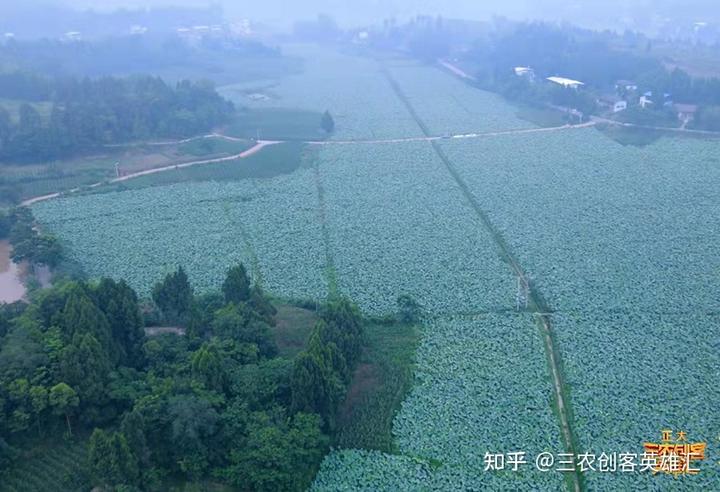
605, 13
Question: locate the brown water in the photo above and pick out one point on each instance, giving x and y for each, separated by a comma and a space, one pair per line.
11, 286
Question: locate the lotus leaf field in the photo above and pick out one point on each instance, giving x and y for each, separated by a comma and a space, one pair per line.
343, 84
619, 241
139, 235
390, 209
449, 106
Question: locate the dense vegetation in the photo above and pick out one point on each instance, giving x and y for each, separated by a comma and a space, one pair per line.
108, 56
213, 401
88, 113
29, 244
599, 59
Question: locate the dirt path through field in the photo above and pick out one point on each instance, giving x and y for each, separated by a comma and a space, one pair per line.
261, 144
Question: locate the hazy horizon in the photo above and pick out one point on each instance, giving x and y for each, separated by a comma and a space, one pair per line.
613, 14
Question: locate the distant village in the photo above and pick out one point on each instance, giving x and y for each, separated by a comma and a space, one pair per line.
190, 34
627, 93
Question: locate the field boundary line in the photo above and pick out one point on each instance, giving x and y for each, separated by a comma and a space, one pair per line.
330, 270
536, 303
256, 271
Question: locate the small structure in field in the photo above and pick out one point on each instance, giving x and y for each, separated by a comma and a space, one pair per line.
565, 82
258, 96
138, 30
72, 36
686, 112
525, 73
613, 103
646, 100
626, 86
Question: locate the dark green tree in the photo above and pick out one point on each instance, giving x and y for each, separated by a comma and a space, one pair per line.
111, 461
119, 303
327, 122
261, 304
409, 311
193, 424
63, 401
236, 287
39, 401
278, 455
81, 316
133, 428
344, 329
207, 366
174, 296
85, 366
238, 322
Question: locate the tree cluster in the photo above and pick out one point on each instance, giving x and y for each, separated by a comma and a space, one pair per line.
29, 244
322, 373
88, 113
214, 401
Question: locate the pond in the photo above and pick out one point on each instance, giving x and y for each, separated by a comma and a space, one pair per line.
11, 286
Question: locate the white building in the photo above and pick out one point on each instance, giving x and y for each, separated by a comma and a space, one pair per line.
72, 36
615, 104
569, 83
138, 30
525, 72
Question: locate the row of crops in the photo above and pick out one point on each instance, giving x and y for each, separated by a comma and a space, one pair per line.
47, 469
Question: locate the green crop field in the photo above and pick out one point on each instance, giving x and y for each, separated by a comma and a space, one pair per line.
276, 124
619, 243
47, 468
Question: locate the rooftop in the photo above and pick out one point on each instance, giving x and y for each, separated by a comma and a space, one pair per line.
565, 82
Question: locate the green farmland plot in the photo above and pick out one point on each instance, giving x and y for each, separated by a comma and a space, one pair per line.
370, 471
621, 243
207, 227
633, 375
481, 385
399, 225
600, 226
450, 106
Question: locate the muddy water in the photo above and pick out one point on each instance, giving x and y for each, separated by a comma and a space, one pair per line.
11, 286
